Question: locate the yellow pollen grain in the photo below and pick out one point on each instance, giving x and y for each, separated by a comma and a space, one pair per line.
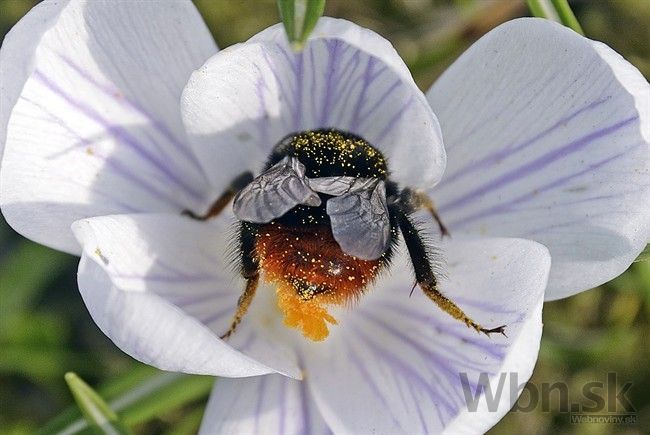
310, 317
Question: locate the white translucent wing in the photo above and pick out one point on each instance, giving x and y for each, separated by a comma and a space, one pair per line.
269, 196
335, 186
360, 222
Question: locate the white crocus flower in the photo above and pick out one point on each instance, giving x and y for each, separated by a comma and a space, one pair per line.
546, 135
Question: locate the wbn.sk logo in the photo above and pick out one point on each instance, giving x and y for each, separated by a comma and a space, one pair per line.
598, 397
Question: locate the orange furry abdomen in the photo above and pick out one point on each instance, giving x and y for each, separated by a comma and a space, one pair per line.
311, 254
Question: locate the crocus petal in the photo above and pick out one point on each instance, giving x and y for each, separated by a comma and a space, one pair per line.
270, 404
245, 99
396, 363
159, 287
92, 114
14, 61
547, 134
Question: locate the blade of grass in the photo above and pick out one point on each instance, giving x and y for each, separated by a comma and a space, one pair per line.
287, 14
172, 392
139, 397
98, 415
543, 9
555, 10
300, 18
567, 16
313, 11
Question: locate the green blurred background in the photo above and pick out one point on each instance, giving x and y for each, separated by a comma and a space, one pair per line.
46, 331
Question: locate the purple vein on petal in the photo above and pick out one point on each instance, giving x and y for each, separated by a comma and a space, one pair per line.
333, 49
461, 334
207, 290
460, 358
216, 316
570, 224
380, 101
360, 366
619, 194
485, 306
345, 93
361, 100
233, 399
537, 164
295, 64
261, 390
285, 93
167, 278
124, 206
346, 74
507, 207
418, 408
413, 377
118, 132
122, 99
305, 403
113, 164
378, 72
263, 127
188, 301
315, 101
512, 149
443, 362
408, 373
119, 168
283, 409
396, 117
174, 270
470, 131
294, 69
81, 142
245, 345
299, 70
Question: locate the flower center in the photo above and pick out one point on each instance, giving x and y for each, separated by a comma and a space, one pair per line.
321, 221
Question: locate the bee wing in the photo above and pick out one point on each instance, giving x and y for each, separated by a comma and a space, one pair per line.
360, 222
276, 191
335, 186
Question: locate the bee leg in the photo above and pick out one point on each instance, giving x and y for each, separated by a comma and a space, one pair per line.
426, 279
453, 310
243, 304
237, 184
420, 200
249, 268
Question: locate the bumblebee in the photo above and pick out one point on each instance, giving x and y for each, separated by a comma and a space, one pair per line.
321, 222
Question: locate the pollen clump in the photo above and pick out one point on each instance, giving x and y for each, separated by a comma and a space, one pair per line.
310, 272
307, 316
